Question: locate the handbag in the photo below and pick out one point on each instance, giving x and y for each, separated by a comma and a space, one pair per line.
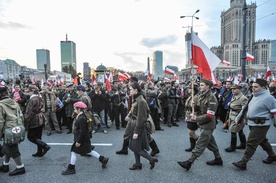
150, 124
16, 134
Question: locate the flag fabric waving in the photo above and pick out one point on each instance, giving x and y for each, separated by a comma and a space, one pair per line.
249, 57
169, 71
268, 73
121, 77
204, 58
166, 80
107, 82
176, 78
225, 63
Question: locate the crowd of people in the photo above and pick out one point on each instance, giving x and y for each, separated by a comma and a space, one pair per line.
128, 105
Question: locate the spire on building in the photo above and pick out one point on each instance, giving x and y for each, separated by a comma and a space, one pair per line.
66, 37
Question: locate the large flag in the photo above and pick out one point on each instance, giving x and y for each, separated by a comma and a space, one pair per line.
268, 73
204, 58
249, 57
169, 71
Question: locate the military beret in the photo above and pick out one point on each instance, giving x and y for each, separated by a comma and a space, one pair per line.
3, 88
261, 82
236, 86
81, 87
207, 82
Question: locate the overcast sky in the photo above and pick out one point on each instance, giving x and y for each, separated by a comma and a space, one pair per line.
116, 33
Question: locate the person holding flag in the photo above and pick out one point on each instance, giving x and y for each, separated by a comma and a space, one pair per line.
205, 118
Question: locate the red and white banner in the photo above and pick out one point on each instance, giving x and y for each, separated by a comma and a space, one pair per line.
169, 71
204, 58
121, 77
249, 57
127, 75
225, 63
107, 82
268, 73
166, 80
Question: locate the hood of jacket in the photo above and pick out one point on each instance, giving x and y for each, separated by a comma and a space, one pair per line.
10, 103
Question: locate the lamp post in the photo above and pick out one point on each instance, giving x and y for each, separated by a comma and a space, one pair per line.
192, 62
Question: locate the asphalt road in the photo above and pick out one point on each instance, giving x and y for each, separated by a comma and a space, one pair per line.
172, 143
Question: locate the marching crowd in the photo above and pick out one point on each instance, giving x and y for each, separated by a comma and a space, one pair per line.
130, 105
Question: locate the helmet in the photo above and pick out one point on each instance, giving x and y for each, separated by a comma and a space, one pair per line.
80, 105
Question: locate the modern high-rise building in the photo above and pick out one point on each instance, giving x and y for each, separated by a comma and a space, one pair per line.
86, 71
232, 30
157, 64
272, 52
68, 53
43, 57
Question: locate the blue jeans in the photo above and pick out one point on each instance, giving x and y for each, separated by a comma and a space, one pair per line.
102, 116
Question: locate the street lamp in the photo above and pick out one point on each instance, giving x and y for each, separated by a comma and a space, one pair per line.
192, 62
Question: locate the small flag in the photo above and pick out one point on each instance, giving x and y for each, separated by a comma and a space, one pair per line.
249, 57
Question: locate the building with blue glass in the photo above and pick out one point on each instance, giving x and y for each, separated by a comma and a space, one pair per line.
68, 53
157, 65
43, 57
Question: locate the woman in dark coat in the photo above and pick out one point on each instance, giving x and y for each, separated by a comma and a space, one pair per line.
138, 133
82, 143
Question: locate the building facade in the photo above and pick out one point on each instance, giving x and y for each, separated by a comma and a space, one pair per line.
68, 53
43, 57
232, 30
9, 69
157, 65
86, 71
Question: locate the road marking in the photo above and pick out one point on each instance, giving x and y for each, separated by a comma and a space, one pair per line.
69, 144
273, 144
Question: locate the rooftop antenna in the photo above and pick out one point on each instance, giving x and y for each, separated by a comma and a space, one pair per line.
66, 37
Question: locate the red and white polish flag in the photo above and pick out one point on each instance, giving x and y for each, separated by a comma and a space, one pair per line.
204, 58
225, 63
169, 71
268, 73
249, 57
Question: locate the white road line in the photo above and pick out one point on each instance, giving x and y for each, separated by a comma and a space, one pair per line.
69, 144
273, 144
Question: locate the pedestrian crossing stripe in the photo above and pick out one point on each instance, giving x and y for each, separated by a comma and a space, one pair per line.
273, 144
69, 144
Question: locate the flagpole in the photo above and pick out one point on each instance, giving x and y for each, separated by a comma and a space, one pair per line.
192, 62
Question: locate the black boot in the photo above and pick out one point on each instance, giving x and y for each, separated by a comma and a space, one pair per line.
185, 164
70, 170
124, 148
104, 161
240, 164
216, 161
44, 146
4, 168
192, 142
17, 171
1, 154
233, 145
155, 149
243, 141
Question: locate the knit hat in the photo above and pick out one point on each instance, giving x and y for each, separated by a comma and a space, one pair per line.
80, 105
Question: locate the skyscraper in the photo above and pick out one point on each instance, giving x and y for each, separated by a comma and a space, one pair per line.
231, 30
86, 71
43, 57
68, 53
157, 64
